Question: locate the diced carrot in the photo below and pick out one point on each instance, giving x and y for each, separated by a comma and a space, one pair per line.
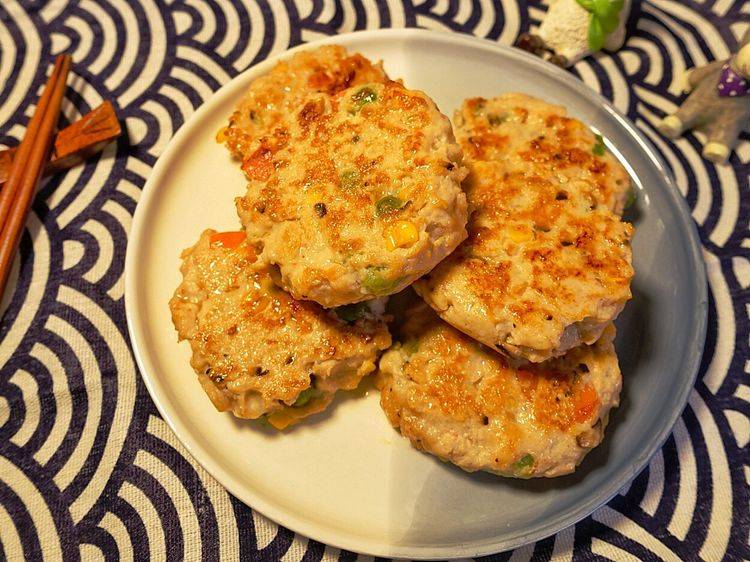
259, 165
587, 403
228, 239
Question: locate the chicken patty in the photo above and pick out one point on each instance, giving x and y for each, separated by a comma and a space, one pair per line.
455, 399
273, 96
356, 195
256, 350
547, 263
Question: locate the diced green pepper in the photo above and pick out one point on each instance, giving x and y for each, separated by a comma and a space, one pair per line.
352, 312
305, 396
524, 464
599, 148
388, 204
263, 420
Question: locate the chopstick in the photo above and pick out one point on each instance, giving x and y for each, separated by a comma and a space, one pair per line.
17, 172
28, 165
75, 143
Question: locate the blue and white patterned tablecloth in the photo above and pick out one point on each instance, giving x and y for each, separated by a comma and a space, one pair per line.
89, 470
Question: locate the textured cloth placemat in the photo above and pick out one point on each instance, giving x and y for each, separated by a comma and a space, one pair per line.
89, 470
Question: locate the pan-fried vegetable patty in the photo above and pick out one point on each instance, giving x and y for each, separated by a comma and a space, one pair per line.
547, 264
256, 350
271, 97
457, 400
356, 195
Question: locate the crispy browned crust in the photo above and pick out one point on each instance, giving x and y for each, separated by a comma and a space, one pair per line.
547, 263
454, 398
317, 180
543, 137
254, 347
329, 70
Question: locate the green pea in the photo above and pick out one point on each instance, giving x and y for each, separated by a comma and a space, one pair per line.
478, 108
362, 97
496, 120
352, 312
376, 283
632, 196
599, 148
305, 396
410, 346
350, 180
525, 463
388, 204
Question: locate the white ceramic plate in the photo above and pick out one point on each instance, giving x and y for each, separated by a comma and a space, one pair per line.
346, 477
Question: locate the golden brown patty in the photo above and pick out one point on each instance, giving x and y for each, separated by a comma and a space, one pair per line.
272, 97
455, 399
256, 350
357, 195
522, 133
547, 264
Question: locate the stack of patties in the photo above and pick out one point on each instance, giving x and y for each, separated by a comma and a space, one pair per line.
354, 193
519, 376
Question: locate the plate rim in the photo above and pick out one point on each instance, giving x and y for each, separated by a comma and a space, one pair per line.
304, 526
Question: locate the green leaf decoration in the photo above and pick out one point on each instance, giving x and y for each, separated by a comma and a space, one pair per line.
596, 34
604, 16
601, 8
609, 22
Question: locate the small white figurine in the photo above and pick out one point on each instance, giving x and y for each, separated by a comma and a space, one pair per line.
573, 29
719, 103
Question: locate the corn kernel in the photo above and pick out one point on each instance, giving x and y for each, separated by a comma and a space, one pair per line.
401, 234
520, 234
312, 196
221, 136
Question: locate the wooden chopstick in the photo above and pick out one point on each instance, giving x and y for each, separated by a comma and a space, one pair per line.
24, 150
75, 143
28, 165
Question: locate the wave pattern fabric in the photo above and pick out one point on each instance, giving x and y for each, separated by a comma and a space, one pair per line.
88, 469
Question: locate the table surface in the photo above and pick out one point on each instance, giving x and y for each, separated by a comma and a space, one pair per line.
88, 469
